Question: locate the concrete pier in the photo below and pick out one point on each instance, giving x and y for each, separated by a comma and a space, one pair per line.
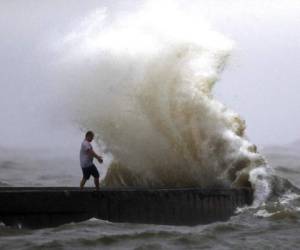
53, 206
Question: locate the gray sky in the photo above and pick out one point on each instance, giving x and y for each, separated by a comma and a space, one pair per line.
260, 82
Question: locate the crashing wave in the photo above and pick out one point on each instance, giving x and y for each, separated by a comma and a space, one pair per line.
145, 87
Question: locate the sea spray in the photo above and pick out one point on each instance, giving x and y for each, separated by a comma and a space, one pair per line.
144, 84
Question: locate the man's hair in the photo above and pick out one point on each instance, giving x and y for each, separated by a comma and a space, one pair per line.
89, 133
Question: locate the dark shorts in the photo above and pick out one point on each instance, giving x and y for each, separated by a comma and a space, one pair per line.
91, 170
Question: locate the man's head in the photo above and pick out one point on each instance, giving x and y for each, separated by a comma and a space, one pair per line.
89, 136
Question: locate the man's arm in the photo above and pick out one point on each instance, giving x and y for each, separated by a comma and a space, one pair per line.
91, 152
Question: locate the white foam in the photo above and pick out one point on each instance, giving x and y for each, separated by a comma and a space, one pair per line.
288, 197
259, 178
264, 213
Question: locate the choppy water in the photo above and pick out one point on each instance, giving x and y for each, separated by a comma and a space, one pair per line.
242, 232
272, 225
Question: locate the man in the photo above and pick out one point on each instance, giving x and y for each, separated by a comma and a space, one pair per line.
87, 155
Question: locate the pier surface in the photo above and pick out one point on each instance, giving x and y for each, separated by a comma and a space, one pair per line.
52, 206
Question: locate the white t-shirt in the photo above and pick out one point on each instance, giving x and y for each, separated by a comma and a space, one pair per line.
86, 159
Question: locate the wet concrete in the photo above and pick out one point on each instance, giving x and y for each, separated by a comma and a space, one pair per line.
53, 206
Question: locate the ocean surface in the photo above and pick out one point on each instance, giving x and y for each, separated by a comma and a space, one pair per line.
273, 224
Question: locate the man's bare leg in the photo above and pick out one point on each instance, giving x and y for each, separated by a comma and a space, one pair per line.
96, 181
83, 181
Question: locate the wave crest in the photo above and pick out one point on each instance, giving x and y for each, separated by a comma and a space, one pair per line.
146, 89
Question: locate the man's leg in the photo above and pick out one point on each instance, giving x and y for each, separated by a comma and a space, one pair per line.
96, 181
83, 181
95, 174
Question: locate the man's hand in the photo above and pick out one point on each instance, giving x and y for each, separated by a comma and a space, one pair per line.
100, 159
